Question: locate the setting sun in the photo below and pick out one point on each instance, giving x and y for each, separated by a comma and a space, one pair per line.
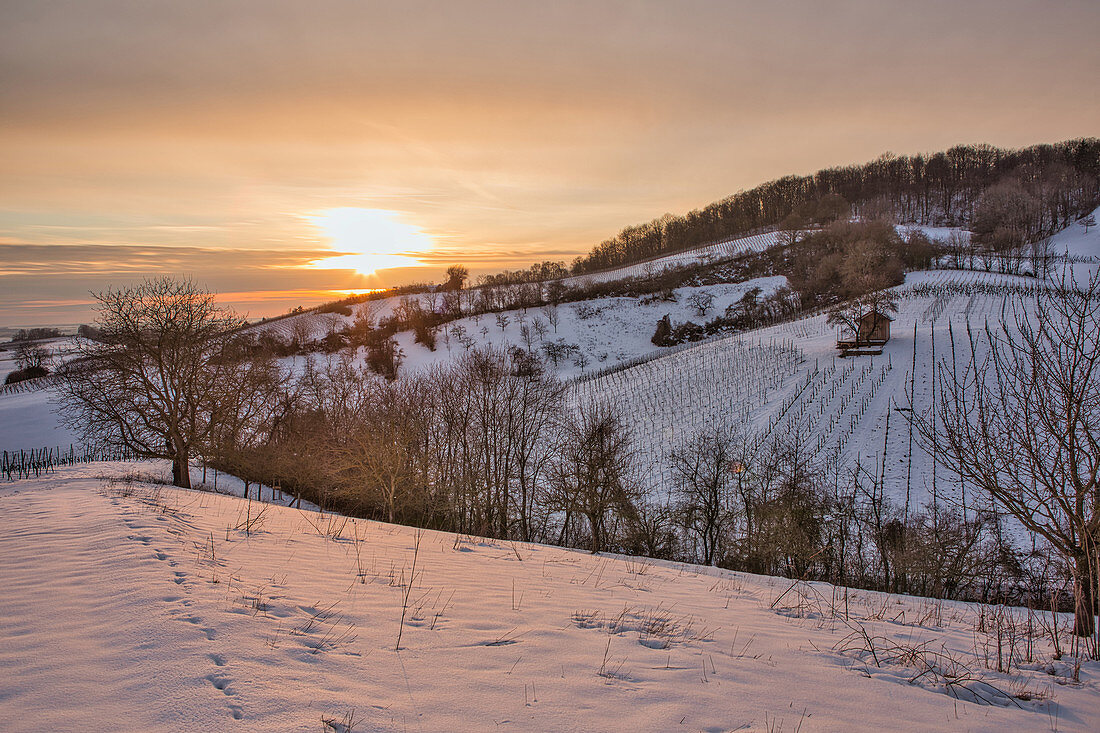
375, 238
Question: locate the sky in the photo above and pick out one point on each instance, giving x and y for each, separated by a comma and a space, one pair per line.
284, 153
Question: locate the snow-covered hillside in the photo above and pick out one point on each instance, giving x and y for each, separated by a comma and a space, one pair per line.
602, 332
129, 606
783, 378
707, 253
313, 325
788, 379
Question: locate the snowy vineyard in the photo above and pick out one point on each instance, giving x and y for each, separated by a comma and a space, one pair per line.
716, 251
666, 401
787, 380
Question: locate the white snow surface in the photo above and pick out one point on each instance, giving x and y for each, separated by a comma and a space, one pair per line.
313, 325
27, 420
707, 253
606, 331
136, 607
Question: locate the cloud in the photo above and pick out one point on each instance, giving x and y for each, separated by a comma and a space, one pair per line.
191, 135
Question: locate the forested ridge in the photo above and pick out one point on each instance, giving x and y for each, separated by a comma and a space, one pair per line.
1051, 183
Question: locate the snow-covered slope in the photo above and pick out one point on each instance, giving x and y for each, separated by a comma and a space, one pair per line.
126, 606
788, 379
708, 253
313, 325
604, 331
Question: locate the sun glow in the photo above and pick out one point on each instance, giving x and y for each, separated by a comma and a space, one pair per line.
375, 238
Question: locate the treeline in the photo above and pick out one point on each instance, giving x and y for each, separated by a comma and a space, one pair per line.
35, 334
1060, 182
492, 446
536, 273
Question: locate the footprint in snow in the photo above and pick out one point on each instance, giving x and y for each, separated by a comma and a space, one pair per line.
220, 683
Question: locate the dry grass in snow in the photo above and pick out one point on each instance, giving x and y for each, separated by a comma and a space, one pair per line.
133, 606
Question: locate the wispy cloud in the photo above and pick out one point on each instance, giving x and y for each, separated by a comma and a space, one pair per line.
193, 137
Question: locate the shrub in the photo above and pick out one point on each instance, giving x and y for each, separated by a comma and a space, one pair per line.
22, 375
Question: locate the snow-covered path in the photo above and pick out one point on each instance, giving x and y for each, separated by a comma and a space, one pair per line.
86, 604
128, 606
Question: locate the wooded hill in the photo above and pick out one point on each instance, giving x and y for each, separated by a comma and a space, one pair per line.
1045, 186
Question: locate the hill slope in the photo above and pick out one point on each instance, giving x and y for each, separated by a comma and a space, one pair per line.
788, 380
128, 606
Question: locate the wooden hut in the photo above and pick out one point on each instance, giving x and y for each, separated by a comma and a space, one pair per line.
872, 333
874, 328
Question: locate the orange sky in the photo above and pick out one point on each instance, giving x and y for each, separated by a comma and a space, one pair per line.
203, 138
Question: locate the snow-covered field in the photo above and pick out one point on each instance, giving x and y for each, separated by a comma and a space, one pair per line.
129, 606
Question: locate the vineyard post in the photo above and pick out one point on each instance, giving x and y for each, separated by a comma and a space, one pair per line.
912, 391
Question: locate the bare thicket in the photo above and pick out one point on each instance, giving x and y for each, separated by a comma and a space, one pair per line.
704, 473
592, 477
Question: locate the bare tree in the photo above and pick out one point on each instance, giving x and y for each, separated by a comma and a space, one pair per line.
959, 248
457, 275
703, 473
701, 301
1042, 256
592, 475
1022, 423
790, 229
246, 414
300, 331
541, 326
551, 312
378, 460
29, 355
151, 383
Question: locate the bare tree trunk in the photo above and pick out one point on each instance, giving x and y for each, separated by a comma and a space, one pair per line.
1084, 595
181, 476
